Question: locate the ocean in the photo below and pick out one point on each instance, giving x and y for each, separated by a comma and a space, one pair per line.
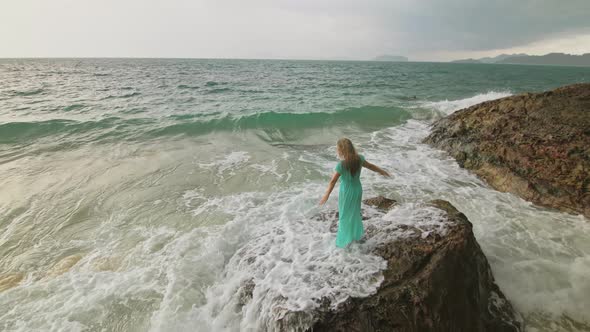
136, 193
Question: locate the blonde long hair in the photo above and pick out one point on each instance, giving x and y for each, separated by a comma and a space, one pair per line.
351, 160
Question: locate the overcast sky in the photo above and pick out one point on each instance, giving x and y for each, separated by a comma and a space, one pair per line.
437, 30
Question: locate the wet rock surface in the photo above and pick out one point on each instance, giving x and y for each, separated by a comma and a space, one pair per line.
535, 145
432, 283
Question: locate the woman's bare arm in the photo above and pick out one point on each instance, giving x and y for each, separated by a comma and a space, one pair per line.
331, 185
375, 168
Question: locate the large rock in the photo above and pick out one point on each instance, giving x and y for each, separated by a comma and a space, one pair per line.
534, 145
433, 282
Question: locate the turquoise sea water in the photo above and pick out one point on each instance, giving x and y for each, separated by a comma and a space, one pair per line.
136, 192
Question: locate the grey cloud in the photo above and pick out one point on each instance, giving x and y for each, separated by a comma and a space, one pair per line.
460, 24
281, 28
479, 25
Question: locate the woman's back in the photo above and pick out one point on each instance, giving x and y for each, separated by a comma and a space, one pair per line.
346, 176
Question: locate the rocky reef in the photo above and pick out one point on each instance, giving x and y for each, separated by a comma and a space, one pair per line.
535, 145
437, 279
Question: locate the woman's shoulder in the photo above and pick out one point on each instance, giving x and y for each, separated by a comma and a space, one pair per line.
362, 157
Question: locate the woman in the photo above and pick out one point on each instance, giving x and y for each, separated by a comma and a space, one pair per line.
350, 225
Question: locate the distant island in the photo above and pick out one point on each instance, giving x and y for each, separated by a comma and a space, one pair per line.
393, 58
552, 59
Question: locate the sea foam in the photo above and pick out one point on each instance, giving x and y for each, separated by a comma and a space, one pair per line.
449, 106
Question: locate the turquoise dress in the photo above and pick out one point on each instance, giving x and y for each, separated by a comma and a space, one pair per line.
350, 224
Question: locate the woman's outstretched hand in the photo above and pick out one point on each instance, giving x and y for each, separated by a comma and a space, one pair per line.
333, 181
376, 169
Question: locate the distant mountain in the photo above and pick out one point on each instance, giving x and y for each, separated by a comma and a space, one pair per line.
501, 57
555, 59
395, 58
495, 59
